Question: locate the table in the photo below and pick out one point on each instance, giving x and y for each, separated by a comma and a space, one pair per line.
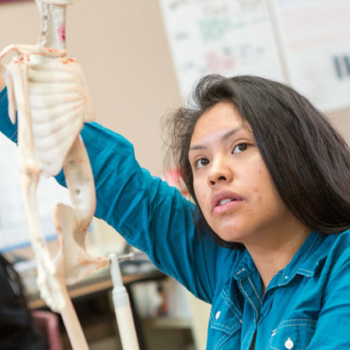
101, 281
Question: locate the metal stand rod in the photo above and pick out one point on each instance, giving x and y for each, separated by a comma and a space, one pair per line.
122, 308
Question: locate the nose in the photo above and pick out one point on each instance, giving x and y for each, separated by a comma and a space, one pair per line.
220, 172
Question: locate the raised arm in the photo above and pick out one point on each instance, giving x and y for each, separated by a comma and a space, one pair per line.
150, 214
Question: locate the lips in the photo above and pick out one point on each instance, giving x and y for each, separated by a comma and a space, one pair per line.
224, 200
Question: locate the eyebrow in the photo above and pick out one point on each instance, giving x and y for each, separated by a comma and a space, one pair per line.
224, 137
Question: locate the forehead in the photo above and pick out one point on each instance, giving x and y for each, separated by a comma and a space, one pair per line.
216, 121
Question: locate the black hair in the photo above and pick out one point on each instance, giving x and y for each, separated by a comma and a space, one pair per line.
309, 162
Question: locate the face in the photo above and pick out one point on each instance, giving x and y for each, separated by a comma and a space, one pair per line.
231, 182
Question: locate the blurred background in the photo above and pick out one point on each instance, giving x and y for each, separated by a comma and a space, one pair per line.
141, 60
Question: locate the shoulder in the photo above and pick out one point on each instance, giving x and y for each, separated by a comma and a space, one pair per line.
336, 252
337, 245
326, 255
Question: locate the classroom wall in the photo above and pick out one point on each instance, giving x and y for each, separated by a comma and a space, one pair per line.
124, 52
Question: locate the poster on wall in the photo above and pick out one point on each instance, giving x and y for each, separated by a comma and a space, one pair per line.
227, 37
315, 35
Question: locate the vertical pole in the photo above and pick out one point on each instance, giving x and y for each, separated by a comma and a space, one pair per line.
122, 308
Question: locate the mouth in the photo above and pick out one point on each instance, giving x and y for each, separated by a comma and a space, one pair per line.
223, 201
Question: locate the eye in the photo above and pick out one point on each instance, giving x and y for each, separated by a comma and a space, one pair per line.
201, 162
240, 148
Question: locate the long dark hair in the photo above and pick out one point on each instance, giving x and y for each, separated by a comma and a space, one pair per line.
308, 160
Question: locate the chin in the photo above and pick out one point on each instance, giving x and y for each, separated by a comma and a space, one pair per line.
231, 238
232, 234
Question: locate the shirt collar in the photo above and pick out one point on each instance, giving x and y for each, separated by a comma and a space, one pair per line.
306, 260
245, 266
310, 257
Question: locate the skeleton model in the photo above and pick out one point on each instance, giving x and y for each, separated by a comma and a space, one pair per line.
49, 140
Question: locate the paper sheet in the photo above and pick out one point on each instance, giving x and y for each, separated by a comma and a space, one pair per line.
227, 37
316, 39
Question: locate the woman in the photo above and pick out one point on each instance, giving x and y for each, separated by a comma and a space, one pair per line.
262, 243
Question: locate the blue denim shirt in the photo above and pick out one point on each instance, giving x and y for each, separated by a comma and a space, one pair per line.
305, 306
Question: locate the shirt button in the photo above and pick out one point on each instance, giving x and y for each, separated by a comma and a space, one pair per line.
289, 344
286, 277
217, 316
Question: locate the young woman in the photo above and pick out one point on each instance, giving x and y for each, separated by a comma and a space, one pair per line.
265, 241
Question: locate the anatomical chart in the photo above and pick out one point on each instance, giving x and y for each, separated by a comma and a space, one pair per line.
227, 37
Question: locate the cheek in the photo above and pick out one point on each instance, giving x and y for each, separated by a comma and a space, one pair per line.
268, 195
263, 187
198, 191
201, 195
257, 192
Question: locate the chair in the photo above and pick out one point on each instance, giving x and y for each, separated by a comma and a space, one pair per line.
47, 324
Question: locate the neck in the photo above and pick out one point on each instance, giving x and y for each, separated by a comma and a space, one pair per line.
277, 251
52, 24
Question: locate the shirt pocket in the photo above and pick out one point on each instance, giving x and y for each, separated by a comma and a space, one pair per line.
293, 334
224, 324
